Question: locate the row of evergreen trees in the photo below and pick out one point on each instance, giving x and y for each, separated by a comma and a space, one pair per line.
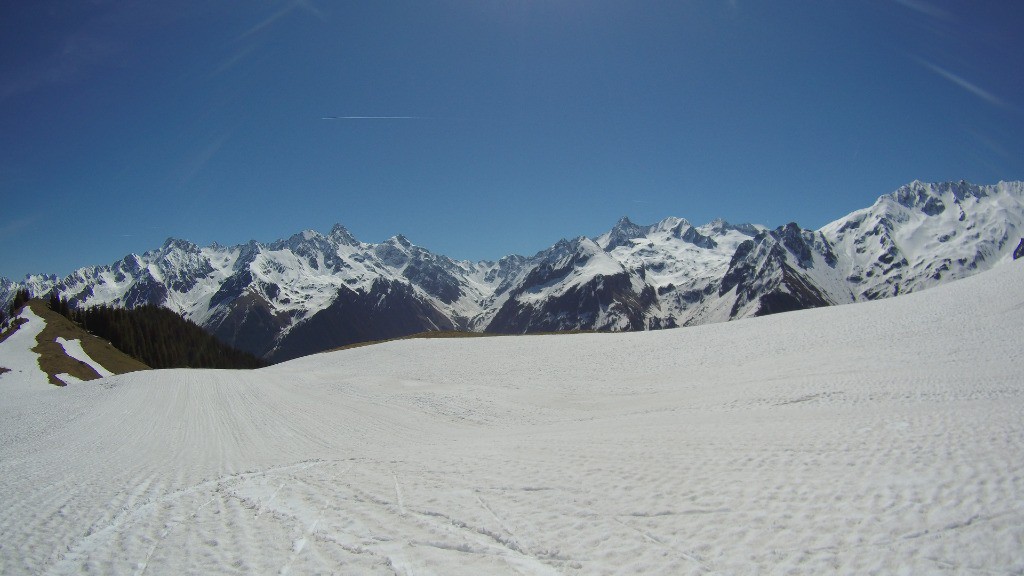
20, 298
156, 336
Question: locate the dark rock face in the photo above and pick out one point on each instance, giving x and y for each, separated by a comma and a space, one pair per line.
249, 324
798, 294
624, 231
181, 263
433, 279
604, 303
790, 236
696, 238
1019, 251
803, 244
232, 288
146, 290
933, 206
558, 294
762, 271
740, 267
389, 310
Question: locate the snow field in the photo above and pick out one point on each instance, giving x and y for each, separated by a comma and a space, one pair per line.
17, 356
885, 437
73, 348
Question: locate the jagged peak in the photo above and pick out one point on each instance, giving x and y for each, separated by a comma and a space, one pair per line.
587, 244
672, 223
578, 250
35, 278
719, 226
297, 241
930, 197
341, 235
511, 259
621, 233
131, 261
558, 249
627, 225
399, 240
310, 234
624, 223
177, 243
247, 253
562, 244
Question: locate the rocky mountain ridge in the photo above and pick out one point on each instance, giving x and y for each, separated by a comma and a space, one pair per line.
315, 291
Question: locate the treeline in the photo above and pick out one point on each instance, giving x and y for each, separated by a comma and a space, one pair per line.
156, 336
20, 298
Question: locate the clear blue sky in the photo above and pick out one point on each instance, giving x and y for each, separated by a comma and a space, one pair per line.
124, 123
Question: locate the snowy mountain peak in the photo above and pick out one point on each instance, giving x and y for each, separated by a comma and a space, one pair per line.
340, 235
672, 223
720, 227
918, 196
172, 244
313, 291
305, 243
934, 198
401, 242
925, 233
621, 234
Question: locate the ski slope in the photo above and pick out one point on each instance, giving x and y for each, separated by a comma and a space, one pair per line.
881, 437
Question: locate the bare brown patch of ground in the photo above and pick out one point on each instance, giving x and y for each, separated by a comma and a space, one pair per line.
53, 360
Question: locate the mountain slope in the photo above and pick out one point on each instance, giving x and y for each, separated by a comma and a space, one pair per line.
575, 284
56, 350
316, 291
922, 235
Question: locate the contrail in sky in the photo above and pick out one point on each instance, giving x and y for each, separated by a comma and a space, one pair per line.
927, 8
962, 83
376, 118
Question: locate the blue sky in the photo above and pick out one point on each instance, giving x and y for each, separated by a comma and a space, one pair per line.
124, 123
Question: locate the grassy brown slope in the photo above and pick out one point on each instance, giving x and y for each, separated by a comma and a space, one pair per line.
3, 336
53, 360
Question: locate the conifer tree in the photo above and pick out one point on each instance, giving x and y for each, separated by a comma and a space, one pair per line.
158, 337
20, 298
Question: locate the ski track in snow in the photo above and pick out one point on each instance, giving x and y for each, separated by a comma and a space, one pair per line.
885, 437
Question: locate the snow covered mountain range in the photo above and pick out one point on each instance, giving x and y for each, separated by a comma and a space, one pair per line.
313, 292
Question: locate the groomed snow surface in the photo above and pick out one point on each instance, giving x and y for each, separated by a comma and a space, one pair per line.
885, 437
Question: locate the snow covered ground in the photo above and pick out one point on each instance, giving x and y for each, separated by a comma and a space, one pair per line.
73, 348
16, 355
883, 437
